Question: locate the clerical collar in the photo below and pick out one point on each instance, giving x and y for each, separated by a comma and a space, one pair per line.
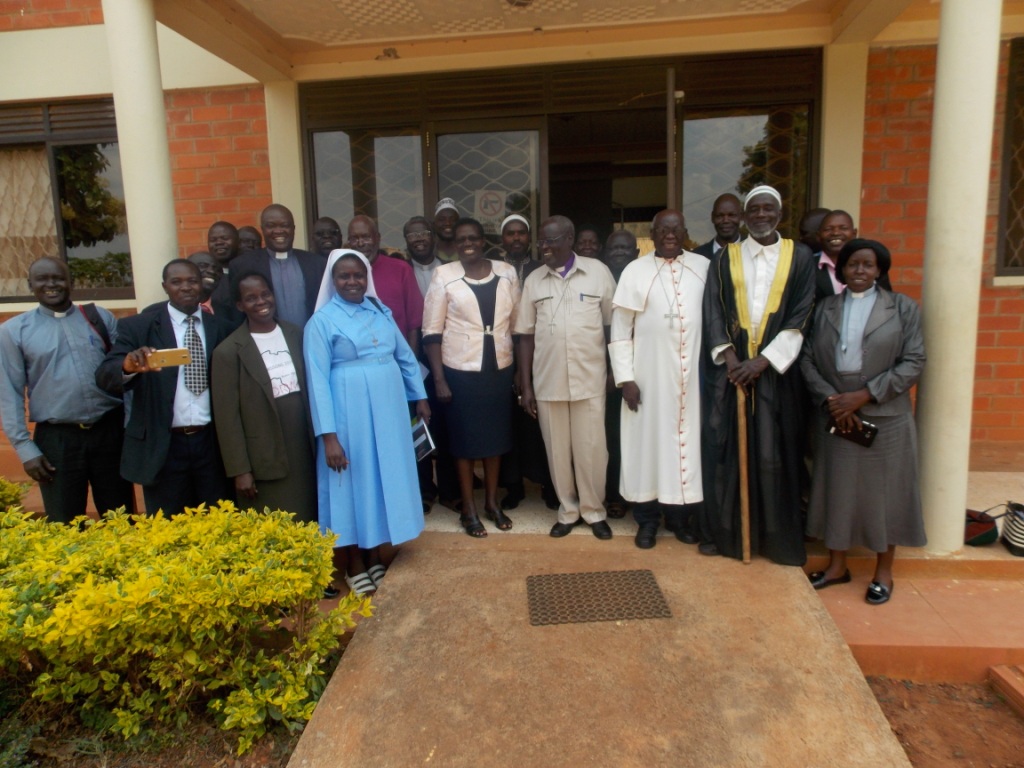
862, 294
281, 255
58, 315
568, 265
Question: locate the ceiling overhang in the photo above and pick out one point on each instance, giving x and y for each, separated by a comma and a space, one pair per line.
304, 40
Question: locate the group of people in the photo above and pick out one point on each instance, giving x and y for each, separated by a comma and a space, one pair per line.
612, 380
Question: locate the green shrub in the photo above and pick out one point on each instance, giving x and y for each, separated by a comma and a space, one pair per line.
11, 494
139, 620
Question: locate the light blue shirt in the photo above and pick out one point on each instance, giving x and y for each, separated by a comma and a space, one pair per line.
289, 288
53, 356
850, 347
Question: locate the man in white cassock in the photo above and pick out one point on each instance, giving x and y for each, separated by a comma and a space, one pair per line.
655, 353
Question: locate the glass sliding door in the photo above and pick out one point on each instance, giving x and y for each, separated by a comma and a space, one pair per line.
369, 172
491, 174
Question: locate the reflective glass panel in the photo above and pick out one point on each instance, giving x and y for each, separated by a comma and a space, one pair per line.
734, 151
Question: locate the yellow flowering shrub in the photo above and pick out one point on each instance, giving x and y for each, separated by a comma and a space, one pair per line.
140, 620
11, 494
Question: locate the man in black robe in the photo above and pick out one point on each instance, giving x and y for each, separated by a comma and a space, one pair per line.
757, 304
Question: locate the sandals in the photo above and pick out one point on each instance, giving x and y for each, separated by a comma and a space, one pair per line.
473, 526
361, 584
376, 573
501, 521
878, 594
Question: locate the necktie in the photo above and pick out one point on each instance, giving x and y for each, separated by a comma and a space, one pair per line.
195, 372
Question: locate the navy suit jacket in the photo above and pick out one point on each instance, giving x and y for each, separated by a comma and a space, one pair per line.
311, 264
147, 436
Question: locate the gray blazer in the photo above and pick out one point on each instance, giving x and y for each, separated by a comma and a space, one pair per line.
893, 353
248, 426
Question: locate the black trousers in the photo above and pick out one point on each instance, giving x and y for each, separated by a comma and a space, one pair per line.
84, 458
192, 474
447, 486
678, 517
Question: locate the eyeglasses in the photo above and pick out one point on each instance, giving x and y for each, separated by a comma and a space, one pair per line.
419, 235
542, 242
663, 231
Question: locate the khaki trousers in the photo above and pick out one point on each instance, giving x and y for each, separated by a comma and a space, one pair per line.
577, 455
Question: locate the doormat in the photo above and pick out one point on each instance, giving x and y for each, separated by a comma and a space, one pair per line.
573, 598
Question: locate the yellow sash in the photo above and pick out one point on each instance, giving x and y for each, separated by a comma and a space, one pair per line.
774, 294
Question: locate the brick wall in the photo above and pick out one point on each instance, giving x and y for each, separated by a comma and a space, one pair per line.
43, 14
897, 138
219, 164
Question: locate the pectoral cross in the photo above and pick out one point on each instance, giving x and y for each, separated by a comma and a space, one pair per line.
671, 317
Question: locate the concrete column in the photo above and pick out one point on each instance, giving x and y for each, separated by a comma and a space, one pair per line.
142, 141
842, 135
961, 153
285, 147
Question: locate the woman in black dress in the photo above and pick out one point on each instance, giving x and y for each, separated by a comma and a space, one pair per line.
468, 315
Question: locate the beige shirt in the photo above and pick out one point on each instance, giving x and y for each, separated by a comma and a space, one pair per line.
567, 317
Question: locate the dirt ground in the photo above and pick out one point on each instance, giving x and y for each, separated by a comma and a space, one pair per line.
939, 726
942, 725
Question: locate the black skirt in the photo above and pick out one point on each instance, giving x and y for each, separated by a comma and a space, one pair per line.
479, 417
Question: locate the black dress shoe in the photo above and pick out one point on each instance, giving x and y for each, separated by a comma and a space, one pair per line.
647, 536
601, 529
878, 593
558, 530
708, 548
515, 494
687, 537
818, 580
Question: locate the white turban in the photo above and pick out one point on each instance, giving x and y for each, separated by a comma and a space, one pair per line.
764, 189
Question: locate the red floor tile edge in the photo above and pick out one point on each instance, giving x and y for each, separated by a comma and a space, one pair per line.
934, 664
1009, 681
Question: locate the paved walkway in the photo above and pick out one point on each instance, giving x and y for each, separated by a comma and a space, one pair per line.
749, 671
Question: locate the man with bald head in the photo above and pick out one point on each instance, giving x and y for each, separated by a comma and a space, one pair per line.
293, 274
562, 322
655, 353
50, 355
758, 302
326, 236
392, 277
726, 217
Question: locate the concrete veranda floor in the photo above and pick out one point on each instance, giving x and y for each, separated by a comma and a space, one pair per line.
749, 671
467, 670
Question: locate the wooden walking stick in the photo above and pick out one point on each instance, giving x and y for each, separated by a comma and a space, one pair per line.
741, 413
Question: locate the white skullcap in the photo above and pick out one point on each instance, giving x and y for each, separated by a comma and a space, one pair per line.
513, 217
763, 189
444, 204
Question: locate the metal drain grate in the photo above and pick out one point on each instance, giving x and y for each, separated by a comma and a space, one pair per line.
572, 598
